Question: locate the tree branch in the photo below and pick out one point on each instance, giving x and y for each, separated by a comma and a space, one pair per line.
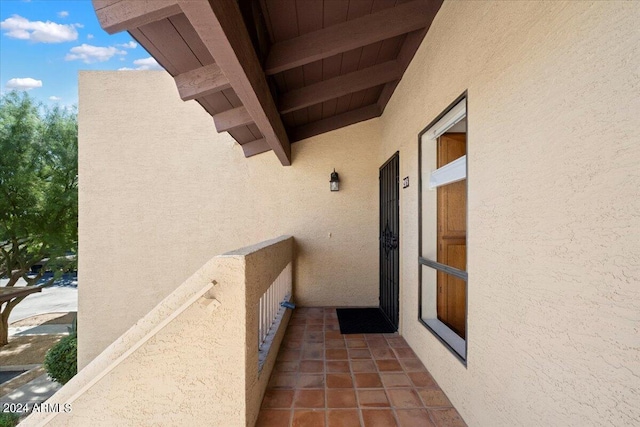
11, 304
49, 282
31, 281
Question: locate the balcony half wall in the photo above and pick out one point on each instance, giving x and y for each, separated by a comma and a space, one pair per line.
193, 360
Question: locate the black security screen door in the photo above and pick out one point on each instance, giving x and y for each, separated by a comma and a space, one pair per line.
389, 231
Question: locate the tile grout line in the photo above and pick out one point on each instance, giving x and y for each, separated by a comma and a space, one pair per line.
386, 392
325, 371
395, 349
355, 390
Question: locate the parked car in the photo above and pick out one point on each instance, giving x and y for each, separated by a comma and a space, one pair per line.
39, 265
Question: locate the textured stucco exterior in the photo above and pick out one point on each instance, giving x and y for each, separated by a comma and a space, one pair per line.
553, 207
192, 360
161, 193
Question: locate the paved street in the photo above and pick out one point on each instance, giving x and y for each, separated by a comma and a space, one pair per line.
36, 391
61, 297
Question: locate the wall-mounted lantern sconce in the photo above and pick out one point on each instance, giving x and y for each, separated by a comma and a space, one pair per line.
334, 183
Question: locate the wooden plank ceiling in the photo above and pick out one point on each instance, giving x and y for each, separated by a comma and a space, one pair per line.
272, 72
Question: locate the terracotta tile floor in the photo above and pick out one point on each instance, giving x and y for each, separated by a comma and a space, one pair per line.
324, 378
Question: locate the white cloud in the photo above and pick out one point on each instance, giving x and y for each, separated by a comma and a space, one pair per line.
63, 14
89, 36
26, 83
130, 45
143, 65
147, 64
54, 98
21, 28
89, 54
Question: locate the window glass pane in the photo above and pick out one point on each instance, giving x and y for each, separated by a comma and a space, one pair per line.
444, 307
452, 205
429, 199
449, 121
444, 297
443, 221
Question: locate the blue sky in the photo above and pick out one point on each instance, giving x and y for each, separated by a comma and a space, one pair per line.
44, 43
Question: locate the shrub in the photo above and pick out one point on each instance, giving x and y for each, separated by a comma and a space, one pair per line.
61, 361
9, 419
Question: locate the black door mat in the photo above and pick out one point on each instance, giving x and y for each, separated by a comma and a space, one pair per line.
363, 321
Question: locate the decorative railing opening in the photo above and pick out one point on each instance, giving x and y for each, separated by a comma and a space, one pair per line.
271, 311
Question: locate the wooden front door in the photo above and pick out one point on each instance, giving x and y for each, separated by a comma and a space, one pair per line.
452, 237
389, 239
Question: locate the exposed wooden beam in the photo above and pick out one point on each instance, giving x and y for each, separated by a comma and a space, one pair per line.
407, 52
129, 14
255, 147
338, 86
335, 122
201, 82
411, 43
100, 4
153, 50
231, 119
348, 35
221, 27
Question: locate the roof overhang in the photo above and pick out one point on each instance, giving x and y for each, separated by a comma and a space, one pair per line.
272, 72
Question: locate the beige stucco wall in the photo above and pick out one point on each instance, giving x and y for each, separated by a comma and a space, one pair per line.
553, 224
161, 193
192, 360
554, 202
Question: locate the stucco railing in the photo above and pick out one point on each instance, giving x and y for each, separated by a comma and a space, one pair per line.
193, 359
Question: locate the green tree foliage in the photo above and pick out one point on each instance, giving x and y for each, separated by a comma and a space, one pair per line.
61, 361
9, 419
38, 192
